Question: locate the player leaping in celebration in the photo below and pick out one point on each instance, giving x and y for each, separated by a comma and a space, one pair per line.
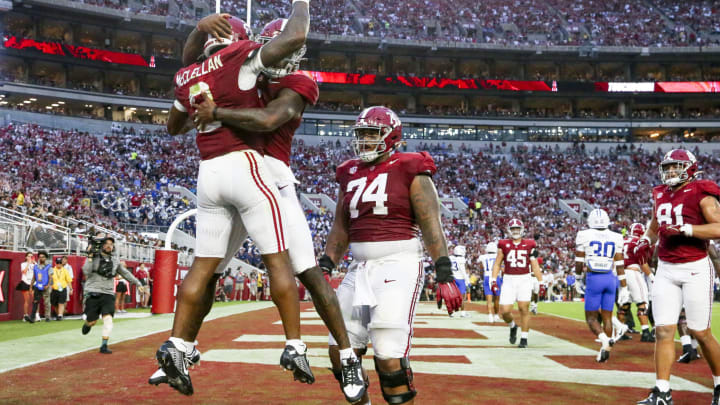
385, 198
285, 94
493, 299
236, 195
601, 251
520, 258
636, 269
686, 214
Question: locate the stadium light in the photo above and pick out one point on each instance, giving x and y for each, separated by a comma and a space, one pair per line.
33, 99
61, 102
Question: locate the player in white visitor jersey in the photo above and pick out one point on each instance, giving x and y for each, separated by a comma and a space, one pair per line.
459, 269
600, 250
493, 300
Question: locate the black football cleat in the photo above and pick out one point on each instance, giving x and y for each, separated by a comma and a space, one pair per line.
657, 398
513, 334
159, 376
602, 356
523, 343
689, 354
173, 363
86, 329
647, 336
298, 364
105, 350
716, 396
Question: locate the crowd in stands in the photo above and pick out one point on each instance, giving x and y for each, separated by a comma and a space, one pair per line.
535, 22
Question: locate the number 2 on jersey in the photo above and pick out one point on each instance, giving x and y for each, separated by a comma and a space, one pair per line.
203, 89
375, 192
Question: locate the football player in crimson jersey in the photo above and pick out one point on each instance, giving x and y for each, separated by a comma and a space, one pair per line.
686, 214
247, 204
284, 94
385, 198
636, 268
520, 258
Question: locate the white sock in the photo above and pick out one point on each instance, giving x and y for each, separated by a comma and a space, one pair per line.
348, 353
180, 344
616, 323
524, 335
694, 343
604, 339
663, 385
297, 344
685, 340
716, 380
512, 324
645, 327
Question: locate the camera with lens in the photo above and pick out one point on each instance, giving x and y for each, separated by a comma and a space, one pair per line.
94, 246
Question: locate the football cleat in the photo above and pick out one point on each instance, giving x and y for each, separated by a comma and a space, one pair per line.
105, 350
523, 343
602, 356
172, 362
533, 308
716, 396
688, 355
159, 377
352, 384
513, 334
298, 364
86, 329
647, 336
633, 331
490, 318
657, 398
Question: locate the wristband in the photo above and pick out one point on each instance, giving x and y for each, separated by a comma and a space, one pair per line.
622, 277
304, 1
579, 259
215, 113
620, 262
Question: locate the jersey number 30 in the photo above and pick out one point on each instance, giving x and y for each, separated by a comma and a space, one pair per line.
375, 192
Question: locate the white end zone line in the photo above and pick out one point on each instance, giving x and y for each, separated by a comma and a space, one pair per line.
34, 350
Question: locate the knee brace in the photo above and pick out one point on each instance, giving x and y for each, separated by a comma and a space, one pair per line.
107, 325
402, 377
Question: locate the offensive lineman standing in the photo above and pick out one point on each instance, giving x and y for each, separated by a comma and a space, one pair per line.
385, 198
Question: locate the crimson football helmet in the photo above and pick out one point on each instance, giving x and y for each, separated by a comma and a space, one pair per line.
288, 65
389, 128
240, 32
516, 229
637, 230
668, 171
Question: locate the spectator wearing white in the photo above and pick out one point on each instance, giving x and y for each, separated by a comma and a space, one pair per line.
26, 269
70, 271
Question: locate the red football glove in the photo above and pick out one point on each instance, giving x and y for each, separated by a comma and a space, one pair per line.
643, 247
668, 231
494, 288
450, 293
446, 288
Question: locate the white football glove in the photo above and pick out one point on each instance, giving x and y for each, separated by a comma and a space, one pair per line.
623, 296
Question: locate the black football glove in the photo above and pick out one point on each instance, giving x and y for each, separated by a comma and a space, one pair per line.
326, 264
443, 270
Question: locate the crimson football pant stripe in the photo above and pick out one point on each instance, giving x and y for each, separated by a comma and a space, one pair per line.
418, 286
274, 208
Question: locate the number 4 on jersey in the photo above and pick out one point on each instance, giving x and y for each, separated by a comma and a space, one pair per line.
375, 192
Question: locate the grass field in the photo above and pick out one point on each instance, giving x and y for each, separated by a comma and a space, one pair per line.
575, 310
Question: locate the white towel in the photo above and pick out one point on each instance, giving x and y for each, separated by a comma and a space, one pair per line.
363, 287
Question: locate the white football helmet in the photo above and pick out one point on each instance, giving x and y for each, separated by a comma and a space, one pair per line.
598, 219
459, 250
491, 247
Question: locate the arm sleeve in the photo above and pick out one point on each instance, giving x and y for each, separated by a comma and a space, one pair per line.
127, 275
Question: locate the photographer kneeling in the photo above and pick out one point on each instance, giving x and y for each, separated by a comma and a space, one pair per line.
100, 270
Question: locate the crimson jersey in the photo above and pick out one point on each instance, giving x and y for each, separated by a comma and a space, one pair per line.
377, 197
281, 140
517, 256
219, 75
681, 207
630, 258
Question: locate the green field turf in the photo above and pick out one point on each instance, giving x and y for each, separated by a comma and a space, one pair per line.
575, 310
11, 330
